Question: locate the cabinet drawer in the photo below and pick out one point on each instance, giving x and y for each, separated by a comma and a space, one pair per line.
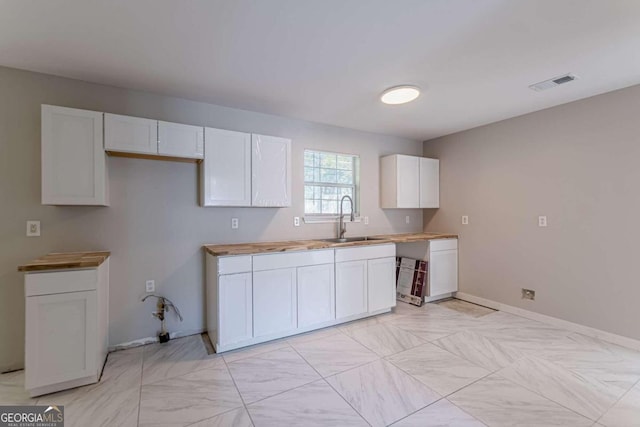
443, 245
60, 282
234, 264
292, 259
365, 252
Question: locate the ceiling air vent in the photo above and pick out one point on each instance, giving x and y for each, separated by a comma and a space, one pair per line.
556, 81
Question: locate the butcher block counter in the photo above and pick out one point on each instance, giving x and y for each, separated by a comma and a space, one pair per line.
301, 245
66, 261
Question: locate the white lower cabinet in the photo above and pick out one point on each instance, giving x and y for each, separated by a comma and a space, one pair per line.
274, 301
316, 295
256, 298
236, 307
443, 267
380, 273
351, 288
66, 328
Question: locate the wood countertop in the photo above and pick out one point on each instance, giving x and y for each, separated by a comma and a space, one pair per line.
66, 261
302, 245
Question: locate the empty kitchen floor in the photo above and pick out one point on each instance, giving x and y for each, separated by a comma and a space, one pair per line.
452, 363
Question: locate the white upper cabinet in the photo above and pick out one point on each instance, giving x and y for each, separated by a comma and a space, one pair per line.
271, 171
409, 182
130, 134
177, 140
429, 183
73, 158
226, 169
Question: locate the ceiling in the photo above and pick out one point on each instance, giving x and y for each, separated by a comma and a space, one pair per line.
328, 60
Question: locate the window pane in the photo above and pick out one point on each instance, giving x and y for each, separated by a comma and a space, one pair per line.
345, 177
329, 206
308, 192
345, 162
312, 206
328, 175
346, 192
328, 160
308, 174
329, 193
308, 158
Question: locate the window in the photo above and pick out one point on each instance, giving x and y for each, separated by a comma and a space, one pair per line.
327, 178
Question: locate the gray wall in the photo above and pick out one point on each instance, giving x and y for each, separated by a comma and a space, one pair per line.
579, 164
154, 226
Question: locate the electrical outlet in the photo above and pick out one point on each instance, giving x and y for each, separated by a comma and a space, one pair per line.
150, 286
366, 220
33, 228
542, 221
528, 294
296, 221
235, 223
465, 220
407, 219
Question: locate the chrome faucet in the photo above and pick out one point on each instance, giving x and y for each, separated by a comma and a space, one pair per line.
342, 227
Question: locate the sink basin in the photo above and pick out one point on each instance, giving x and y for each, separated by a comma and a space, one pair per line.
350, 239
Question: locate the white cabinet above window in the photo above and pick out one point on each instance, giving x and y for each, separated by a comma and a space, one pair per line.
409, 182
127, 136
177, 140
130, 134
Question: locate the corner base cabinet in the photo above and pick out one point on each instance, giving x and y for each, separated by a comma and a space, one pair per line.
257, 298
66, 328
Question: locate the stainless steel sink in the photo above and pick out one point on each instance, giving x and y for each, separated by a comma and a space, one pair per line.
351, 239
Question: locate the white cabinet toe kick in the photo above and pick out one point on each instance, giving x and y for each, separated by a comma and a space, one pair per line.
256, 298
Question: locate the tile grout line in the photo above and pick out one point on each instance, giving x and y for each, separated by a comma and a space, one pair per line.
140, 391
542, 396
322, 378
244, 404
618, 401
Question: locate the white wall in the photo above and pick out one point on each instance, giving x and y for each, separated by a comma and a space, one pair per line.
154, 226
579, 164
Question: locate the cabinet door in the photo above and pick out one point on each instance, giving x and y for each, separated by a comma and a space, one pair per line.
271, 171
429, 183
443, 272
351, 288
61, 337
381, 273
408, 184
177, 140
235, 308
226, 169
274, 301
316, 295
73, 159
130, 134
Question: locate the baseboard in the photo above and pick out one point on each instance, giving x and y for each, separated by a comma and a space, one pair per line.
553, 321
151, 340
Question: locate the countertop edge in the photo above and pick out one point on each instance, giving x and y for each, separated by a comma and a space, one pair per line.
256, 248
57, 261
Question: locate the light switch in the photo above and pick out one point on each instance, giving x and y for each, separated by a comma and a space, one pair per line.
33, 228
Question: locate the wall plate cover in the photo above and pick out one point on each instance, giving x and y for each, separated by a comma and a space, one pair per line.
465, 220
542, 221
150, 286
296, 221
33, 228
235, 223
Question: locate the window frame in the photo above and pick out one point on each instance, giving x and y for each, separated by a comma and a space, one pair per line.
331, 217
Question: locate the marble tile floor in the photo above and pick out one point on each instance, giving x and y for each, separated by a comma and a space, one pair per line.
448, 364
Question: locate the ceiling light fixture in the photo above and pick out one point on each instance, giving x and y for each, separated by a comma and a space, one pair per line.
400, 94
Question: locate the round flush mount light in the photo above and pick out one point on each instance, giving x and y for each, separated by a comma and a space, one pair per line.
400, 94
